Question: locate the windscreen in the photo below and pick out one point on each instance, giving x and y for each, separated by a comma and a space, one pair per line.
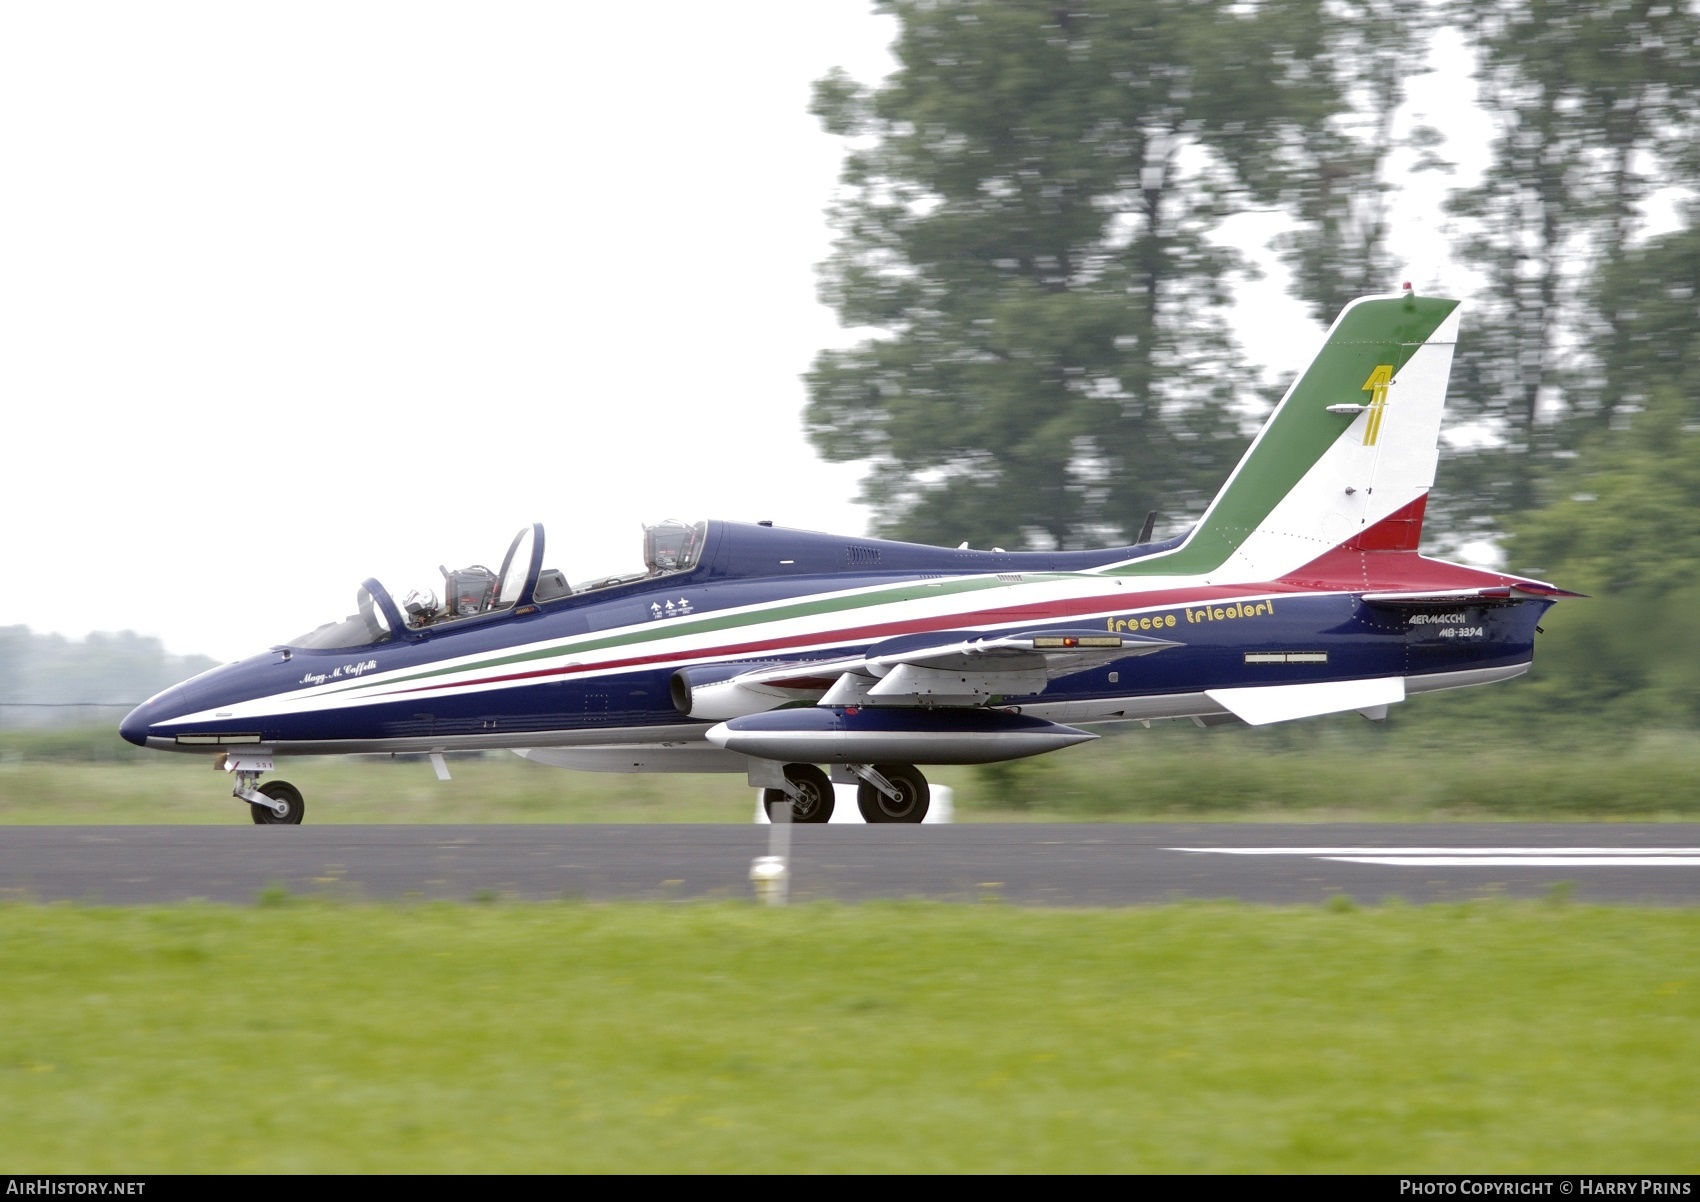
360, 629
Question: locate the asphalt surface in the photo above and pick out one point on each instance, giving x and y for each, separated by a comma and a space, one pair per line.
1064, 864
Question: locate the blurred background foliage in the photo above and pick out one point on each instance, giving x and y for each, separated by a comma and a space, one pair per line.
1027, 237
48, 680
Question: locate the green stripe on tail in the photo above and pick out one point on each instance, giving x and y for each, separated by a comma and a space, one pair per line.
1370, 333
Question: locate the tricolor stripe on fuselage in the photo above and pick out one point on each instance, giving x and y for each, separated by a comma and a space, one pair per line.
607, 657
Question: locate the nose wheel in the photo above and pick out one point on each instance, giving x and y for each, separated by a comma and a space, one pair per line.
284, 794
275, 803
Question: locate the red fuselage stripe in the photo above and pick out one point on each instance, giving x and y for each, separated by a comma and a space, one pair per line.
1352, 567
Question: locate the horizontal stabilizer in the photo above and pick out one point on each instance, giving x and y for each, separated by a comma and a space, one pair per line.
1502, 594
1262, 704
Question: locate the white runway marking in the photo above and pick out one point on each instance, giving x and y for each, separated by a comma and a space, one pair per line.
1481, 857
1555, 861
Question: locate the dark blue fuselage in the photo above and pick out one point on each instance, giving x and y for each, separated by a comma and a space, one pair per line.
1303, 638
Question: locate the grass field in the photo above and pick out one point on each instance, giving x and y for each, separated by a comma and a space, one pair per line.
1330, 769
495, 788
560, 1037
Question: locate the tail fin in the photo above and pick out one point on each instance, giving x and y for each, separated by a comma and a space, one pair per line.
1349, 453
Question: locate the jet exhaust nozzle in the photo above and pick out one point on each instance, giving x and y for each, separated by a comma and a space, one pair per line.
720, 691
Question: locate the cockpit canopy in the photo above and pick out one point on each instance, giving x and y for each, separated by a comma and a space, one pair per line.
366, 625
522, 584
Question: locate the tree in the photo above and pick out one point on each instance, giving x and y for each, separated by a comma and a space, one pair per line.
1336, 182
1595, 106
45, 679
1027, 229
1623, 528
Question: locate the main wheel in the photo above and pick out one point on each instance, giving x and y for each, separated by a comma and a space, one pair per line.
910, 804
815, 803
289, 795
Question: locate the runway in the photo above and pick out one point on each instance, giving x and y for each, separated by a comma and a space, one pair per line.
1057, 864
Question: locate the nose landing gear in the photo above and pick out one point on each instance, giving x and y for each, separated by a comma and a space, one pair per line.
275, 803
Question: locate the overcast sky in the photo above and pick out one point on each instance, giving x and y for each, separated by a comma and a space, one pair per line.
292, 295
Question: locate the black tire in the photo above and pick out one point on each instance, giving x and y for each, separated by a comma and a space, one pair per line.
817, 800
911, 804
279, 790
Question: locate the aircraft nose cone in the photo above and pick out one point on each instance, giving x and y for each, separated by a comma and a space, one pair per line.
134, 727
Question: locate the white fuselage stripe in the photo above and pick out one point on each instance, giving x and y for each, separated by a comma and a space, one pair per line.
1108, 597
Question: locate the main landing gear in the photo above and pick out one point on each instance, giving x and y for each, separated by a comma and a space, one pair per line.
811, 797
891, 792
885, 793
275, 803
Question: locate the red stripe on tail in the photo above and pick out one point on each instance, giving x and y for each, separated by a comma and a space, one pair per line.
1400, 530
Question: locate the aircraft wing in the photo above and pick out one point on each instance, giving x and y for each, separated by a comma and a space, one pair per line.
1056, 653
956, 668
969, 671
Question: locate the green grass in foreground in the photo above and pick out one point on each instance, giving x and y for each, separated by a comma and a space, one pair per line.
562, 1037
498, 788
1338, 768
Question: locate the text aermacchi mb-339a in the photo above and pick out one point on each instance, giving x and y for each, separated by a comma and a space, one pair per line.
772, 652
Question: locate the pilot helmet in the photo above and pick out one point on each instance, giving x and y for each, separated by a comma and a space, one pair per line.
420, 604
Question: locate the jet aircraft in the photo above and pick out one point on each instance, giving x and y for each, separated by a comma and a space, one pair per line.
772, 652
